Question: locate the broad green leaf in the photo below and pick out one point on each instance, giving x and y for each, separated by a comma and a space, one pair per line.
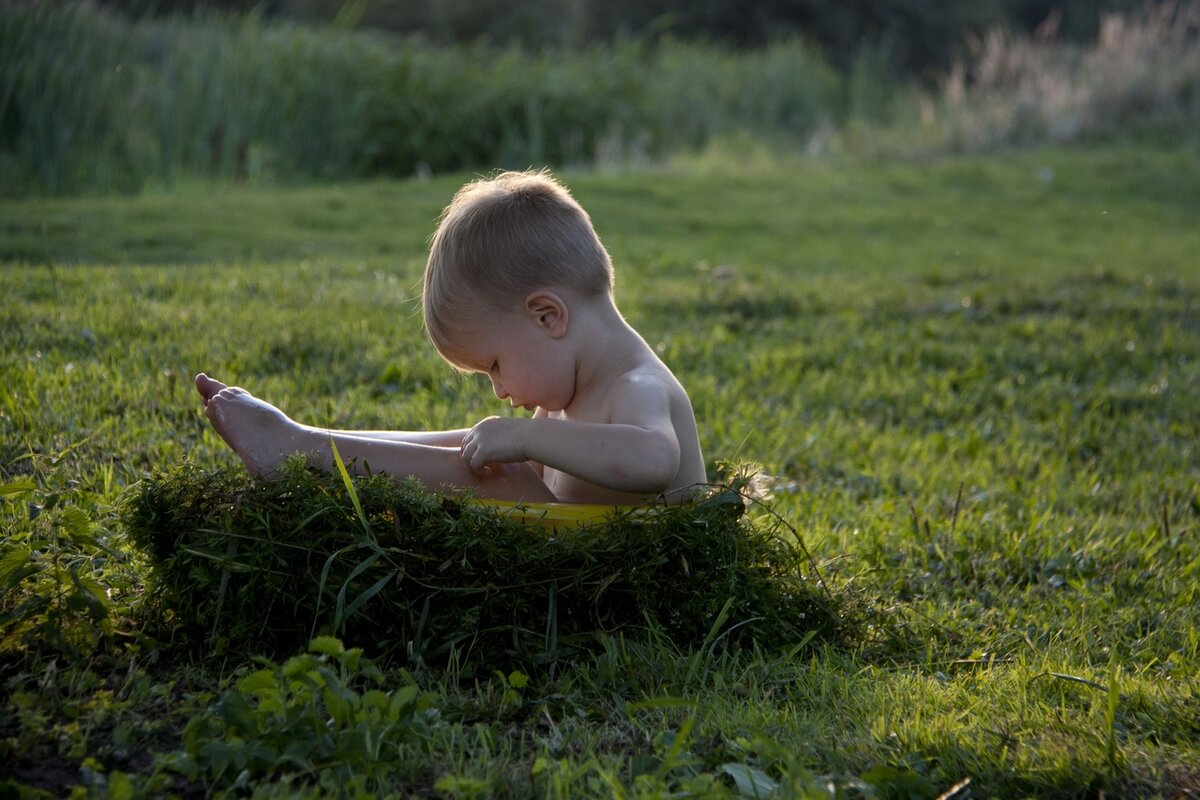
77, 525
750, 781
403, 701
94, 590
373, 698
12, 560
258, 681
237, 713
338, 705
16, 489
120, 787
296, 666
351, 658
326, 645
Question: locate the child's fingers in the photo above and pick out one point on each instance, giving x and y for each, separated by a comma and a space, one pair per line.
471, 455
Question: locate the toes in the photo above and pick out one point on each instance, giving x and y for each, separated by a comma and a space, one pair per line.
227, 393
207, 387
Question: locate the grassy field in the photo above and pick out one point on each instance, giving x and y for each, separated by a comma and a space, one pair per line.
975, 384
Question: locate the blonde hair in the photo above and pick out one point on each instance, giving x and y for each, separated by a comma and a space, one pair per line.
501, 238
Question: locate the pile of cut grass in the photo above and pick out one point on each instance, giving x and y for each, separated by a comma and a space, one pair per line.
247, 566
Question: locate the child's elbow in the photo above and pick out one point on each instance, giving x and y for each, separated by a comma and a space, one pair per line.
658, 465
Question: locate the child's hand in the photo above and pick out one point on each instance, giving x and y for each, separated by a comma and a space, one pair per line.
494, 440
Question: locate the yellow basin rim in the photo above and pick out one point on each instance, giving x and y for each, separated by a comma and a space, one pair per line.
556, 515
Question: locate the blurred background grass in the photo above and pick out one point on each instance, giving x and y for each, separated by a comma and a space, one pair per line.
131, 95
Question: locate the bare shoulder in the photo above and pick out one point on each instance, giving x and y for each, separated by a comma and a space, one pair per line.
647, 390
648, 377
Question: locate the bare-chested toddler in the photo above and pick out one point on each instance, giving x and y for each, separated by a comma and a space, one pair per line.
517, 286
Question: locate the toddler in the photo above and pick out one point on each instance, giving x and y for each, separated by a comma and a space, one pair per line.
517, 286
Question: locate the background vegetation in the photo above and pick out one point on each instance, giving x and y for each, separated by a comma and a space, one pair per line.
917, 36
141, 103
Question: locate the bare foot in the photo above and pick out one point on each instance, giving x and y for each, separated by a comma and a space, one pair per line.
261, 434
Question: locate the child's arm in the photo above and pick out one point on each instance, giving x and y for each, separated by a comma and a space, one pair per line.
637, 451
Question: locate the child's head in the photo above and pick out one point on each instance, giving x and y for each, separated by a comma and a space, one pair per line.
499, 240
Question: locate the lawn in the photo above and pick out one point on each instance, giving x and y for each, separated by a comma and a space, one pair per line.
974, 384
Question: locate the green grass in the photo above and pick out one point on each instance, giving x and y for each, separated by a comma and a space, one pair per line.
975, 381
248, 567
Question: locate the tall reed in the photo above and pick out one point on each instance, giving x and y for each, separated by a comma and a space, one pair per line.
64, 93
1029, 89
90, 101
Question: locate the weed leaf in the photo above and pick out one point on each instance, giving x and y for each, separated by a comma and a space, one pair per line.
326, 646
11, 563
750, 781
16, 489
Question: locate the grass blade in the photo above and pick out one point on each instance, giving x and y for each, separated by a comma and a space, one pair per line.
359, 601
341, 467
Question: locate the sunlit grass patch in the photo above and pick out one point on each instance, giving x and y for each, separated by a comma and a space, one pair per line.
974, 379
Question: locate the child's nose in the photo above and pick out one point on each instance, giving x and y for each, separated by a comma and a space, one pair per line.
498, 388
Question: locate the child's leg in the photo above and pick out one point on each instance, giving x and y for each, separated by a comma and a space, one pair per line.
208, 387
263, 436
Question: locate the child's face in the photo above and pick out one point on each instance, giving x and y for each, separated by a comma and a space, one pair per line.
527, 365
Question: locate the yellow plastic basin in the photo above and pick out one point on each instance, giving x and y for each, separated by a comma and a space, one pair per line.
554, 515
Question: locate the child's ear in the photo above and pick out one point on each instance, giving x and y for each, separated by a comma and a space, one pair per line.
548, 311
